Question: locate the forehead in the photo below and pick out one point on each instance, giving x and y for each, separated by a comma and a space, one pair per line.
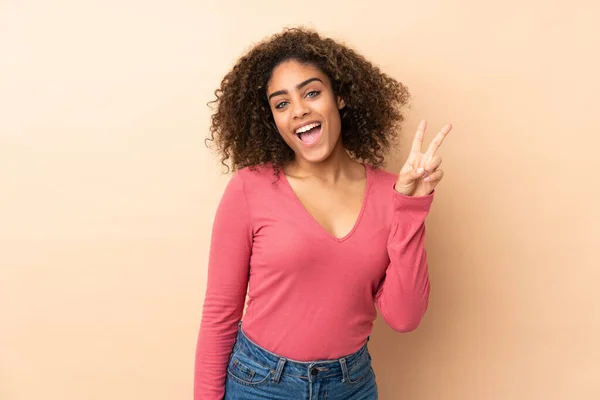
290, 73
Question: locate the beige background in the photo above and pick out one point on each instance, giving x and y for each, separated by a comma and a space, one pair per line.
107, 193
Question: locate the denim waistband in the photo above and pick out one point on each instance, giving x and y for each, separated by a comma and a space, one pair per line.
310, 370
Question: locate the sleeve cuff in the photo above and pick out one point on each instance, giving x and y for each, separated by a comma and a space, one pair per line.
418, 204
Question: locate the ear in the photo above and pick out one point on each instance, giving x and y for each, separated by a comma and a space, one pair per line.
340, 103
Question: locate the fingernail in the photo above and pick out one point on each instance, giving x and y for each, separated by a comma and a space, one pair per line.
419, 170
427, 179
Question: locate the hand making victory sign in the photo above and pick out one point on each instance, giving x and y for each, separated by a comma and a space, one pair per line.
420, 174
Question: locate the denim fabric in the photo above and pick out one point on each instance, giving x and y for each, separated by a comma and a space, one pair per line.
255, 373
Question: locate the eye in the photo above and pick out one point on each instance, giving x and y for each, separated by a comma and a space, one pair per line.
281, 105
313, 93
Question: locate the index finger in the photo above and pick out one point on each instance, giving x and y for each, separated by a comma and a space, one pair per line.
418, 140
437, 141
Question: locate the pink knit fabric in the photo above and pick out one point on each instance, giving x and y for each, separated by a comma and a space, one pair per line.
312, 296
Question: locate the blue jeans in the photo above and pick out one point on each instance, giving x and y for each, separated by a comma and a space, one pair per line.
255, 373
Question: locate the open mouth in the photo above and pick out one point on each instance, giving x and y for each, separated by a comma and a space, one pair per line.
310, 133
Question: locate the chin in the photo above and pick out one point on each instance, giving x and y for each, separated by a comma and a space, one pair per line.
316, 155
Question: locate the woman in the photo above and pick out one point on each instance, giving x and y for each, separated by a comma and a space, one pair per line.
310, 225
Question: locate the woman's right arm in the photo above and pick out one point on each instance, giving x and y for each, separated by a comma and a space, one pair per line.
228, 271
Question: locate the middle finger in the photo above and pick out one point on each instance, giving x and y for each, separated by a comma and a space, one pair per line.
439, 138
433, 164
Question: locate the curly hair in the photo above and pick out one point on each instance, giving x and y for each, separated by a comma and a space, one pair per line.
243, 128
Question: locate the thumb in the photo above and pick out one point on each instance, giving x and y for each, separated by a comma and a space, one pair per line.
409, 175
406, 180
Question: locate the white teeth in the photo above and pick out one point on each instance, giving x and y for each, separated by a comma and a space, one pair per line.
307, 127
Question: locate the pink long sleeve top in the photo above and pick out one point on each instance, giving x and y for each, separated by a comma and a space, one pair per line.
311, 296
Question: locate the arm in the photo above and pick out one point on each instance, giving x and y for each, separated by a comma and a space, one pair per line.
403, 296
228, 270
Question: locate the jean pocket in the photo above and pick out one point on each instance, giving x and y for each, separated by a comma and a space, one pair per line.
246, 371
359, 370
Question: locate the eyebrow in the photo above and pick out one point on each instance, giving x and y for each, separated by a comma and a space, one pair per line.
298, 86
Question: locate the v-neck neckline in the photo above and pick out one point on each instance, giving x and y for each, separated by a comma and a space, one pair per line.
314, 220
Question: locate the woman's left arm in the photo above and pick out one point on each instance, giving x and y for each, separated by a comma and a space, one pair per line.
403, 296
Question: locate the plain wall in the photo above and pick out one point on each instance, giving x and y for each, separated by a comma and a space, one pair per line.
107, 193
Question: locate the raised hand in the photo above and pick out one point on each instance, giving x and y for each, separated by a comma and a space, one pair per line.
420, 174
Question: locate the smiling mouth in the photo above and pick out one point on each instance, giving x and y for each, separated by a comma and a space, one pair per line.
309, 134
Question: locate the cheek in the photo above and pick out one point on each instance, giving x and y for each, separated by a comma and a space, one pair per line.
330, 109
335, 120
280, 123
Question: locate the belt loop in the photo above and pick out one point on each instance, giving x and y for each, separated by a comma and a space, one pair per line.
344, 369
279, 370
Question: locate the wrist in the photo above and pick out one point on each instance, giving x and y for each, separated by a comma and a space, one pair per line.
403, 191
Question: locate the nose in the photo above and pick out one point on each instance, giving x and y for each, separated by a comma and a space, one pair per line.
300, 110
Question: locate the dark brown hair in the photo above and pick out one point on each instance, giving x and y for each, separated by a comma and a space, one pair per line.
242, 126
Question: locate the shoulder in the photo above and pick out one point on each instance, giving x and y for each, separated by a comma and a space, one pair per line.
257, 180
255, 175
255, 172
382, 178
247, 189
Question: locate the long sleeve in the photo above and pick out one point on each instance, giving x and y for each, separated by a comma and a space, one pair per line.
403, 296
228, 270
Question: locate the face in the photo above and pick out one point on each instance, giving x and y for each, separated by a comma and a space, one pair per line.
305, 110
